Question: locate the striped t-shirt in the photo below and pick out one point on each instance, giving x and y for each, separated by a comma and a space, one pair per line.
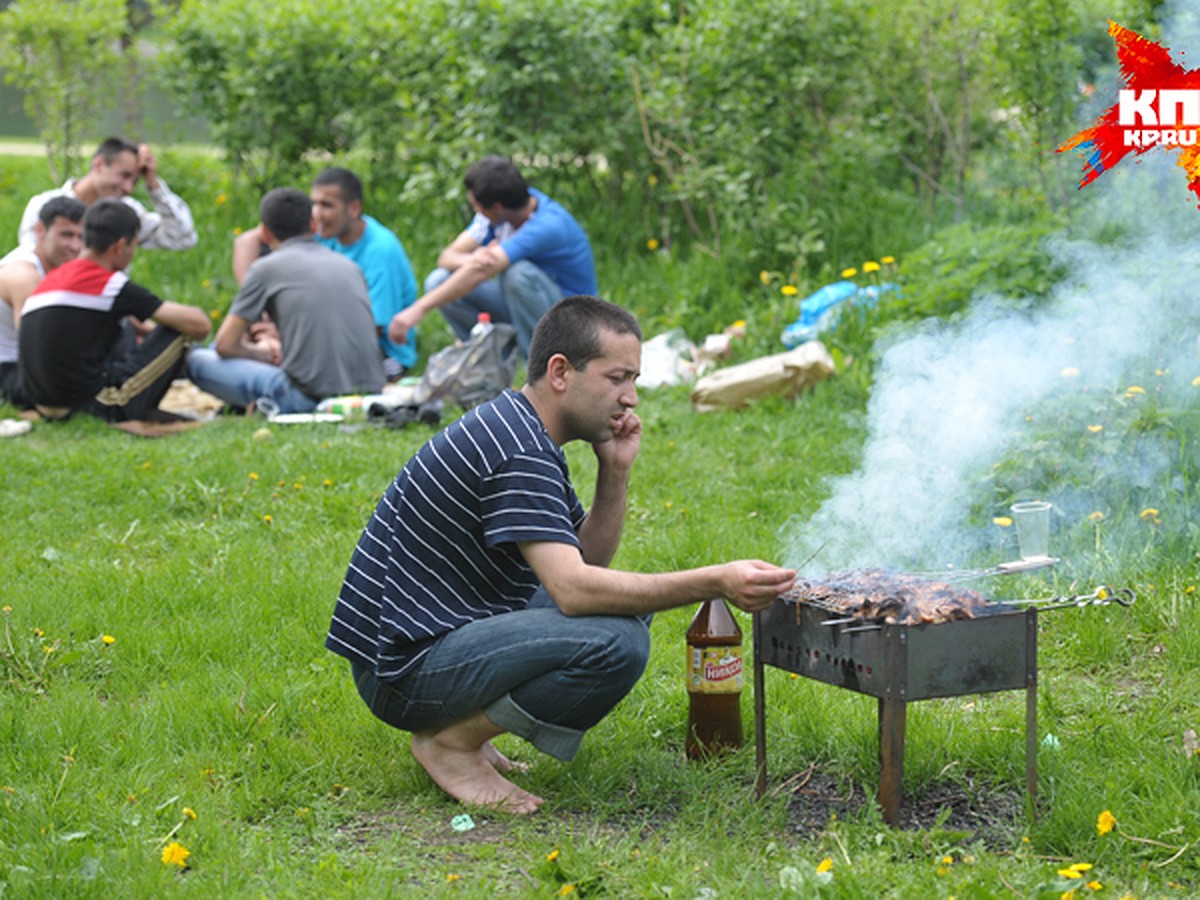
441, 548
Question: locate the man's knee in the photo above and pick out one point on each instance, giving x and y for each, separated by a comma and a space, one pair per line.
524, 277
627, 646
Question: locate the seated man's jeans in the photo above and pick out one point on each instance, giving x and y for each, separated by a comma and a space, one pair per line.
520, 295
240, 382
538, 674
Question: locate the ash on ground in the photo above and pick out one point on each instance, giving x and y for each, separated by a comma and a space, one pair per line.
995, 815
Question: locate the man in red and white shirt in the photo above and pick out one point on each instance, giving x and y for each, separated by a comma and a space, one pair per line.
77, 350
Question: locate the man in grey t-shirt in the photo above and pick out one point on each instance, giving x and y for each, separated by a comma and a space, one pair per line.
318, 301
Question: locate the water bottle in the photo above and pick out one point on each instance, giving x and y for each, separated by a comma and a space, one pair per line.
482, 326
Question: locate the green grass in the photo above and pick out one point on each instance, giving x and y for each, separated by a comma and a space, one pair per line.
217, 696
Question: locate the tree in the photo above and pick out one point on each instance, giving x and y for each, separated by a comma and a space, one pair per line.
57, 52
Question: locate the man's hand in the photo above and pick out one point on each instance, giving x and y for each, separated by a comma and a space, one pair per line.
147, 166
751, 584
402, 322
622, 450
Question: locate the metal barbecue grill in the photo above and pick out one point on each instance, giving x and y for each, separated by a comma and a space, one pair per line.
994, 648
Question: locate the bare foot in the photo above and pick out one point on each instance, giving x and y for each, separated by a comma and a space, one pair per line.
468, 774
142, 428
502, 762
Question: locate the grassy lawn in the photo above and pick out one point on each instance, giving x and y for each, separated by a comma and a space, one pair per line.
165, 604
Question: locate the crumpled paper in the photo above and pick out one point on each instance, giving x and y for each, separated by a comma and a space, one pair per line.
781, 373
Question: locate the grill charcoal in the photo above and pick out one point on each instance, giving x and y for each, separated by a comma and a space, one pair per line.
878, 595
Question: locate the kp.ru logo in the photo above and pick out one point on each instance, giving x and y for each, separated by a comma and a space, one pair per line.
1159, 108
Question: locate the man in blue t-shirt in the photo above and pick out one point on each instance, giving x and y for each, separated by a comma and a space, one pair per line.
479, 599
337, 198
520, 255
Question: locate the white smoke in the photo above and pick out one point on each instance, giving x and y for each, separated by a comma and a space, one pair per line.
952, 399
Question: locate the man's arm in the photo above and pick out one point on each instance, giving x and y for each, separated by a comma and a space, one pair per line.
187, 320
600, 534
170, 226
483, 263
17, 281
247, 248
456, 254
579, 589
236, 340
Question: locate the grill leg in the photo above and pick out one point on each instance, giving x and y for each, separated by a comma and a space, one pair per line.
892, 713
760, 716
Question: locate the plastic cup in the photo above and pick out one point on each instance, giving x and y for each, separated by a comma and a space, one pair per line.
1033, 528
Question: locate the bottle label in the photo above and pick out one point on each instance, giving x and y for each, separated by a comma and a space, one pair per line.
715, 670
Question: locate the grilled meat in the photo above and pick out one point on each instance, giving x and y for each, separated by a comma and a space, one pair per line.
894, 598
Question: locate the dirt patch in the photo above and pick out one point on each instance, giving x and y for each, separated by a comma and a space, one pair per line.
993, 815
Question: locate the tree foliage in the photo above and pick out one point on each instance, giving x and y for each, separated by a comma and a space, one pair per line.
63, 54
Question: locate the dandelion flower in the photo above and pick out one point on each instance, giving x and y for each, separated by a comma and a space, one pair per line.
764, 276
254, 476
1095, 429
825, 865
1069, 372
328, 482
849, 273
1002, 521
1069, 873
1095, 886
887, 260
566, 889
552, 856
453, 876
215, 314
870, 266
652, 244
108, 639
236, 232
267, 518
947, 860
652, 180
1097, 516
789, 290
206, 283
1133, 390
221, 198
6, 609
1080, 867
1105, 822
1149, 513
175, 854
189, 813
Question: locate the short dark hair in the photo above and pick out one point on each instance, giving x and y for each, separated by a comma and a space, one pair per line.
572, 327
495, 179
111, 148
287, 212
347, 182
107, 221
61, 207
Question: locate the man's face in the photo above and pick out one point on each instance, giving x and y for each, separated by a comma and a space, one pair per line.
599, 396
59, 243
495, 213
116, 178
334, 216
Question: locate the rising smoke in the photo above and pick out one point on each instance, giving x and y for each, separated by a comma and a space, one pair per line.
952, 400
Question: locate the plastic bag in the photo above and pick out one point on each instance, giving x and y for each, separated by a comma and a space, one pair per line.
473, 372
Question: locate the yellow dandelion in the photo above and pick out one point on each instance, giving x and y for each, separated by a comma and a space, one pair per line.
1133, 390
298, 486
1067, 895
1160, 372
870, 266
48, 649
215, 314
1191, 589
941, 872
566, 889
1095, 886
652, 244
887, 260
1024, 839
189, 813
221, 198
1080, 867
552, 856
1069, 372
267, 518
1105, 822
254, 476
825, 865
1069, 873
6, 609
328, 482
652, 180
236, 232
453, 876
1149, 513
37, 632
1097, 516
764, 276
1095, 429
206, 283
849, 273
947, 860
1002, 521
108, 639
175, 854
146, 464
789, 290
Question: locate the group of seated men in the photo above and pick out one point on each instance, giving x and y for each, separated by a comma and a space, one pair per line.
327, 301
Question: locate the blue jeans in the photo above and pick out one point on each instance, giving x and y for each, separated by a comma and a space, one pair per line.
240, 382
520, 295
538, 674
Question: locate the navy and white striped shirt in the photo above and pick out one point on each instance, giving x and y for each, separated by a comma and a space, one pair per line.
440, 550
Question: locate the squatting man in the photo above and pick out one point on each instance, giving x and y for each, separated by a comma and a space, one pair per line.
479, 599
